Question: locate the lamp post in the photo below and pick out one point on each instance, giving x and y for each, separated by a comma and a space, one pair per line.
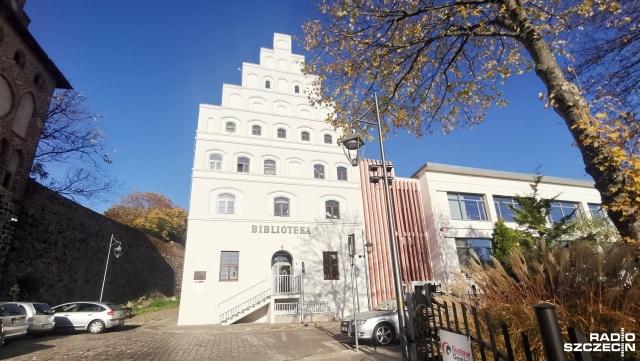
366, 248
116, 252
354, 142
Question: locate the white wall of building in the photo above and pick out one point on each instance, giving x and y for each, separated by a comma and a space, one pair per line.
436, 180
306, 233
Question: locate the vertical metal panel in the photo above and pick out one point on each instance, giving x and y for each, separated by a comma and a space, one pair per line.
411, 233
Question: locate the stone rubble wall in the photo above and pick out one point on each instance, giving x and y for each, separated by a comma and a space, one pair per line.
59, 248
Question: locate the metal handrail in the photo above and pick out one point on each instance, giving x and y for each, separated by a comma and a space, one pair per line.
244, 300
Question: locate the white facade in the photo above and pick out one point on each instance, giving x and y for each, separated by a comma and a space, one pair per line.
266, 167
443, 187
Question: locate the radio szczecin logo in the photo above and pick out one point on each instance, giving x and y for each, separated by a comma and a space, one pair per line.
605, 342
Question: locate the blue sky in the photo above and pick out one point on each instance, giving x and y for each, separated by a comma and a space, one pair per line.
147, 65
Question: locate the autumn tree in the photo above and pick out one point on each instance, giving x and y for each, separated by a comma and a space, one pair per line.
151, 213
72, 152
439, 65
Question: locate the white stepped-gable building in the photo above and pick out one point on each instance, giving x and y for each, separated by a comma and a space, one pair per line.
271, 191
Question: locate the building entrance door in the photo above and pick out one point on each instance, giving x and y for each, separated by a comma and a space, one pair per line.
281, 270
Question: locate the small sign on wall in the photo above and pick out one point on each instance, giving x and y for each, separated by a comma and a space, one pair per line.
200, 276
455, 347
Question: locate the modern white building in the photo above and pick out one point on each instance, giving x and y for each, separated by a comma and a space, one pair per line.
271, 191
462, 204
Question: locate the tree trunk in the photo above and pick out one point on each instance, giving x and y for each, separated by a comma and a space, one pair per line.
570, 104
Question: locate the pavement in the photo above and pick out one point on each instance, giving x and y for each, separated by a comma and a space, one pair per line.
155, 336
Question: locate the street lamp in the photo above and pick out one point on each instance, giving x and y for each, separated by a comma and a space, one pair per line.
116, 252
353, 147
366, 247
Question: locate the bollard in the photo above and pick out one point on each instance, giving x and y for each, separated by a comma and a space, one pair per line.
550, 334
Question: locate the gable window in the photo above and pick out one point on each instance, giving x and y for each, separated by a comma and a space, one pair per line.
330, 265
481, 247
296, 89
230, 127
342, 173
318, 171
305, 136
270, 167
243, 165
281, 207
328, 139
267, 84
505, 207
229, 264
333, 209
468, 207
256, 130
563, 210
282, 133
215, 162
226, 203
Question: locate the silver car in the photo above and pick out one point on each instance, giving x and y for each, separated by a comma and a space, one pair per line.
94, 317
379, 324
14, 320
40, 318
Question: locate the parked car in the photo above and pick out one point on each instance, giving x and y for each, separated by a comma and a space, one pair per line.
94, 317
14, 320
379, 324
1, 333
40, 318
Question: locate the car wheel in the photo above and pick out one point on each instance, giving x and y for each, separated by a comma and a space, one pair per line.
383, 334
96, 326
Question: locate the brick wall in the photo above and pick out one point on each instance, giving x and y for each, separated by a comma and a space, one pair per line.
59, 251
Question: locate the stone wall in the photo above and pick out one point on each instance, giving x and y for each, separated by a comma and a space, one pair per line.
59, 251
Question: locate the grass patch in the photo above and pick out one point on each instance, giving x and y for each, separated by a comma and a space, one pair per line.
158, 304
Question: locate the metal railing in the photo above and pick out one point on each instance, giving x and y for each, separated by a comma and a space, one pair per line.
286, 284
293, 308
244, 300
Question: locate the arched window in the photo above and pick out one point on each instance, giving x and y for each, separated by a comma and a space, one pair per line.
305, 136
342, 173
333, 209
267, 84
318, 171
256, 130
270, 167
243, 165
230, 127
23, 115
328, 139
282, 133
281, 207
226, 203
296, 89
215, 162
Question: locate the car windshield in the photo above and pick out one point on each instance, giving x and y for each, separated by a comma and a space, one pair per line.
388, 305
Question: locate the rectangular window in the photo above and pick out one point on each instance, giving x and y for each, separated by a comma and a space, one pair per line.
505, 207
229, 261
480, 246
243, 165
330, 265
342, 173
561, 210
468, 207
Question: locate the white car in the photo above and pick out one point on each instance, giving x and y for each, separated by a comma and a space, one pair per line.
94, 317
40, 318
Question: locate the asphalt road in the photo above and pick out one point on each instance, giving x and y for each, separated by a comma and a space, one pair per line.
160, 339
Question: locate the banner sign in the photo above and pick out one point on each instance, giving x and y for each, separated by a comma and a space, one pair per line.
455, 347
